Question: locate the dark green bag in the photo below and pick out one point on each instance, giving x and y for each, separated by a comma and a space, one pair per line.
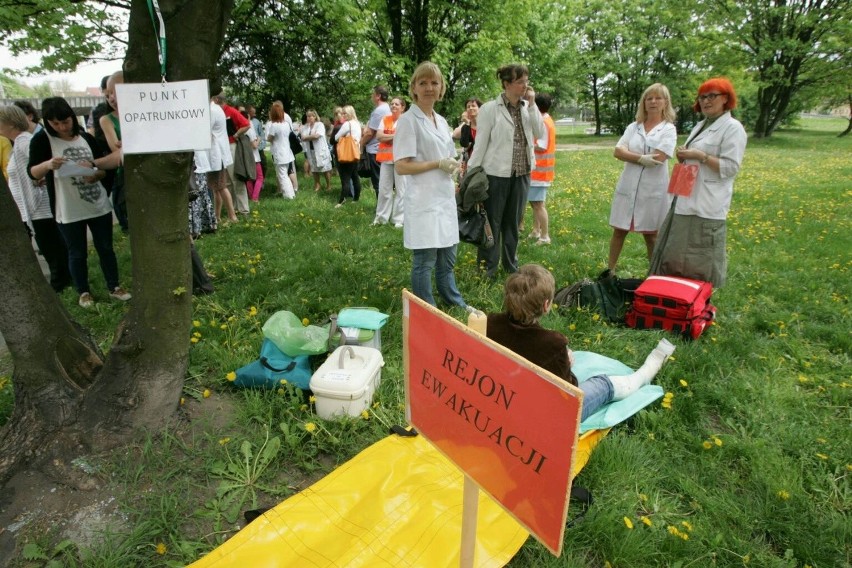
608, 295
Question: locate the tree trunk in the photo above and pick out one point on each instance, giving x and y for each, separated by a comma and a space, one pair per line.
61, 385
849, 122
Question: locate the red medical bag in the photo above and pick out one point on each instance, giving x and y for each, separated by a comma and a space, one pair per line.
674, 304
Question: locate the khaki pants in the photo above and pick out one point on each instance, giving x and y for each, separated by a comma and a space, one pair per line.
239, 195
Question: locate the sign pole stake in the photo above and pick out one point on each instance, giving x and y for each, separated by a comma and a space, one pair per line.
470, 509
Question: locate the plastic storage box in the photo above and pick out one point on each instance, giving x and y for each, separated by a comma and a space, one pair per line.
345, 383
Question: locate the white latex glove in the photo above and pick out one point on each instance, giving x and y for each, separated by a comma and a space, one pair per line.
648, 160
449, 165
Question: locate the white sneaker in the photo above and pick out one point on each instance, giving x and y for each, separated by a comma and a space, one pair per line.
86, 300
398, 225
120, 294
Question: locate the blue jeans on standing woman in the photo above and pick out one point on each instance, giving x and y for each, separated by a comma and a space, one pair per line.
75, 239
442, 261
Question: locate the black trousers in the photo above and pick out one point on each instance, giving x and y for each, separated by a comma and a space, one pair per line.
51, 245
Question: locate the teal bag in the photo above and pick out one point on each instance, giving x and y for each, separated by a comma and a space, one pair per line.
273, 367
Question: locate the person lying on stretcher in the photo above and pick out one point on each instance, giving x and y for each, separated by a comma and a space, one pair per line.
528, 295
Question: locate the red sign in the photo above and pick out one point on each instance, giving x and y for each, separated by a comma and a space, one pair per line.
509, 425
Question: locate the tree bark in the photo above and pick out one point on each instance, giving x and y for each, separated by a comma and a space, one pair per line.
62, 386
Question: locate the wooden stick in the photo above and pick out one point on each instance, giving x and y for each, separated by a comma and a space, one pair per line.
470, 509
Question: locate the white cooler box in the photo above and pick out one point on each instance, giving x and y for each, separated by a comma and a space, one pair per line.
346, 381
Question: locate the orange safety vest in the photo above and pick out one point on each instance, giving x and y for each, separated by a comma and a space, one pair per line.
385, 153
545, 160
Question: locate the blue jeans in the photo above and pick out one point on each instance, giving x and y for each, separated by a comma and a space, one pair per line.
442, 260
75, 239
597, 391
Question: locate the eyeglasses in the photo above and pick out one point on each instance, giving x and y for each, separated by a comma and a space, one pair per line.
709, 96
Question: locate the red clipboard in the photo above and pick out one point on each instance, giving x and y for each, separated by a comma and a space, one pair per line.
683, 179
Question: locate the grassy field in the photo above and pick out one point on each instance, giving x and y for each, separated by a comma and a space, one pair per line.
749, 465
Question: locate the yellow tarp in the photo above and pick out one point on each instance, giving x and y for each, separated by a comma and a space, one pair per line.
397, 504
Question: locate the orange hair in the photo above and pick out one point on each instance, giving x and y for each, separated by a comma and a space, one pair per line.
720, 85
276, 112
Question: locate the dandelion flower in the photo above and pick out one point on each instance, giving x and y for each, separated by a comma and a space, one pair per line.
252, 311
283, 381
196, 323
223, 326
161, 548
232, 376
572, 327
628, 523
783, 495
312, 398
193, 340
182, 401
596, 317
365, 414
224, 441
822, 456
717, 441
707, 445
305, 321
206, 393
683, 383
310, 427
646, 521
687, 525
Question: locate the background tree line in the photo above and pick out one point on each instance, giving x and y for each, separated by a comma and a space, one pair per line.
783, 56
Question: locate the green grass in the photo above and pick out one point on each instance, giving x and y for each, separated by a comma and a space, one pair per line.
751, 465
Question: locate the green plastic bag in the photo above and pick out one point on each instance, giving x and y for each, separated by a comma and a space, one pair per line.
286, 331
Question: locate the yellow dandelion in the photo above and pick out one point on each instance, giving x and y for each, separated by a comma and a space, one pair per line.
683, 383
646, 521
717, 441
596, 317
252, 311
196, 323
305, 321
252, 271
206, 393
312, 399
182, 401
747, 558
707, 445
310, 427
376, 404
283, 381
365, 414
224, 441
223, 326
280, 392
193, 340
607, 564
161, 548
822, 456
572, 327
672, 530
232, 376
196, 334
303, 407
783, 495
687, 525
643, 497
628, 523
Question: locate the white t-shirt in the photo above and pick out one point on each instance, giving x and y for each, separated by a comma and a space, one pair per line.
31, 198
375, 123
77, 200
219, 155
252, 136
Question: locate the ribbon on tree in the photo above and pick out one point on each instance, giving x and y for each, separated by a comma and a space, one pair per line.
154, 8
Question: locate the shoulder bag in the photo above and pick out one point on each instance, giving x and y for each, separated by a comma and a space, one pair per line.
348, 149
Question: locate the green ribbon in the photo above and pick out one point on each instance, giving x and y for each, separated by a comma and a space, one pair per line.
154, 6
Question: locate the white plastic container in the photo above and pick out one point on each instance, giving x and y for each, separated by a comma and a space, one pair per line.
345, 383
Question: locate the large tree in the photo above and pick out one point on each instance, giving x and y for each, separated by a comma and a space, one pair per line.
67, 393
788, 45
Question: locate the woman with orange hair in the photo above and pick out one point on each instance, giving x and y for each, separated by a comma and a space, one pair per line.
692, 241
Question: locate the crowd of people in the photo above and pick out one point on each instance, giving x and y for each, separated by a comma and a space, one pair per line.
410, 156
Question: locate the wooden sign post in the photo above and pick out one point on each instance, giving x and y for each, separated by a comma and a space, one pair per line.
509, 425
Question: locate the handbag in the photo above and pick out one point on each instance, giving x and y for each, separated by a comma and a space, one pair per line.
607, 295
474, 227
273, 367
295, 143
364, 169
348, 150
683, 179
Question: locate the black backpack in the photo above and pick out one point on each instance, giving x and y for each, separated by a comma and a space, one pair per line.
608, 295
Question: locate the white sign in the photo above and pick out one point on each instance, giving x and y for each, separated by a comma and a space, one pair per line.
171, 117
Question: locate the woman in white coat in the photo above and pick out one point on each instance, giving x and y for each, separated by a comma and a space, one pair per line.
423, 150
317, 153
693, 238
278, 135
641, 200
